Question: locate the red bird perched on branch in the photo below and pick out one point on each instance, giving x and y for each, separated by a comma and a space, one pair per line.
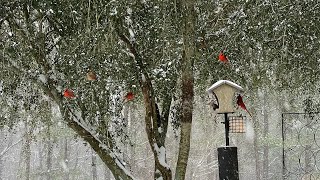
223, 58
68, 93
128, 97
242, 105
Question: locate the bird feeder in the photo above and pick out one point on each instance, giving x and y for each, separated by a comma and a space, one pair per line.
223, 93
237, 124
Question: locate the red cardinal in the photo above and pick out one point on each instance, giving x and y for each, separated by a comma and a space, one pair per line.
223, 58
128, 97
68, 93
91, 76
241, 104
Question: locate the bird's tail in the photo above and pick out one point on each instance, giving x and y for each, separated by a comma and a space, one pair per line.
248, 112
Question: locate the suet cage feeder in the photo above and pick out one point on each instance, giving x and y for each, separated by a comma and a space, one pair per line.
237, 124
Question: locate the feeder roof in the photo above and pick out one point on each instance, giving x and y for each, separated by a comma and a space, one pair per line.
221, 82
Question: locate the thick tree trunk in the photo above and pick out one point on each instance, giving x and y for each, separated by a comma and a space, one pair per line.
106, 155
156, 123
187, 78
156, 141
38, 53
184, 147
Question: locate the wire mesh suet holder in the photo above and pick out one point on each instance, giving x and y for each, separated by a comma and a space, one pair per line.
237, 124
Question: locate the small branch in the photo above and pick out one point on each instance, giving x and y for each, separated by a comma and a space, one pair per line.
106, 155
8, 148
165, 116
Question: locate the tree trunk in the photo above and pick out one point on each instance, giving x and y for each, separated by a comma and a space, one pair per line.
1, 167
27, 151
94, 165
28, 157
154, 120
265, 137
126, 124
1, 160
66, 160
2, 148
133, 129
40, 154
106, 155
189, 16
308, 155
255, 144
256, 156
184, 147
49, 147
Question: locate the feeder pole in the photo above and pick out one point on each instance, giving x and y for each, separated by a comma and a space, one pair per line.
227, 128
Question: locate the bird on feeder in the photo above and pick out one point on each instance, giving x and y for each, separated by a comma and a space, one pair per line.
242, 105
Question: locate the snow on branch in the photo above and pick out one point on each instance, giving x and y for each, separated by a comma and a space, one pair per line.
5, 150
161, 153
90, 137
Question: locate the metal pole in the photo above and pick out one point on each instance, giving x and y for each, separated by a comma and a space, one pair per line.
226, 126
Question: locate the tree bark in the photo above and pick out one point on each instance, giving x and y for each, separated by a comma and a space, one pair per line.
27, 151
265, 136
256, 145
49, 149
153, 118
66, 159
94, 165
1, 160
126, 123
106, 155
308, 133
187, 78
1, 167
40, 155
38, 52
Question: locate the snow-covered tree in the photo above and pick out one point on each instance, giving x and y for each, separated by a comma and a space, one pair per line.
162, 52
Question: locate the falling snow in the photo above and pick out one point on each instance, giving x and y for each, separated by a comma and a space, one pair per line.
273, 48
